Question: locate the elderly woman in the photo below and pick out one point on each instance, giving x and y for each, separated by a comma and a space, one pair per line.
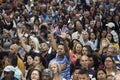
55, 67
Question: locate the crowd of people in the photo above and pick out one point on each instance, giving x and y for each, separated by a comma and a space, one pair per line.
59, 40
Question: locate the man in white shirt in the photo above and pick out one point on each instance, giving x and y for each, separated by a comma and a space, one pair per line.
78, 33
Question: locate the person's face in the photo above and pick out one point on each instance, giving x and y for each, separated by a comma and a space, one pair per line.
5, 34
101, 75
60, 23
87, 14
76, 74
54, 68
45, 76
108, 63
8, 75
71, 28
78, 48
84, 62
29, 60
110, 51
104, 32
92, 36
44, 47
60, 50
32, 44
85, 35
36, 60
91, 62
35, 75
98, 24
92, 24
12, 49
109, 37
79, 26
83, 77
84, 51
24, 39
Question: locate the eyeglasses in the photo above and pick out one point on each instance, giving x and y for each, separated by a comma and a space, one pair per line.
108, 61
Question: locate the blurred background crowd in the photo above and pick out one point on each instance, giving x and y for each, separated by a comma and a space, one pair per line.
59, 39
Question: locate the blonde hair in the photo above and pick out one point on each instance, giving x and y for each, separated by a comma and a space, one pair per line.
35, 40
74, 47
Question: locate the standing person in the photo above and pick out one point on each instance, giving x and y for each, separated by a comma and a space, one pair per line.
111, 27
38, 63
14, 51
86, 41
29, 64
93, 61
29, 61
111, 51
78, 33
7, 40
75, 53
33, 42
63, 59
12, 60
85, 65
9, 73
55, 67
45, 55
109, 36
94, 40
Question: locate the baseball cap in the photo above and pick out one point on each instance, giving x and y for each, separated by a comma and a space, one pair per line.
9, 68
110, 25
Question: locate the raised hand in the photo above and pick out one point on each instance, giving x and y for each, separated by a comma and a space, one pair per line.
63, 35
20, 33
52, 30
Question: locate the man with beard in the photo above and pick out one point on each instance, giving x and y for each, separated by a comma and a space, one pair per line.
63, 59
9, 73
46, 54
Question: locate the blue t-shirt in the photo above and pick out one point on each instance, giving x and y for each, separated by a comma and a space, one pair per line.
13, 78
65, 73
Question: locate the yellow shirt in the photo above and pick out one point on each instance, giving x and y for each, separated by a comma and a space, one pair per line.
21, 66
116, 45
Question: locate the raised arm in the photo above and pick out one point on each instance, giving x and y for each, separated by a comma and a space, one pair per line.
64, 37
20, 35
53, 40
